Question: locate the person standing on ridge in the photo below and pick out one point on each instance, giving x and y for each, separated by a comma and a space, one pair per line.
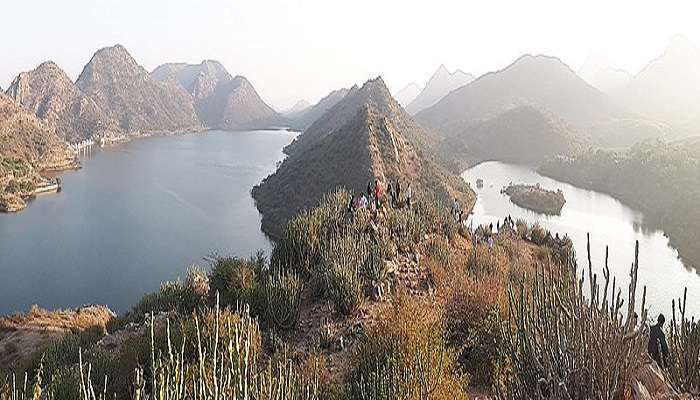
657, 347
377, 192
398, 190
408, 194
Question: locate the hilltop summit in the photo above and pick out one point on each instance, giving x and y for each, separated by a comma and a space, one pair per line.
364, 136
132, 97
373, 92
52, 96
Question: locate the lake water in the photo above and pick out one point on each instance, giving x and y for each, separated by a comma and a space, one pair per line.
609, 222
135, 215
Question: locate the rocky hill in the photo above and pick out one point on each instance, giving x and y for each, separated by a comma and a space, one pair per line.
373, 92
53, 97
440, 84
548, 84
128, 93
308, 117
376, 141
221, 101
27, 147
522, 135
409, 93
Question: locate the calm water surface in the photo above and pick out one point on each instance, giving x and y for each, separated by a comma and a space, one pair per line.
609, 222
134, 216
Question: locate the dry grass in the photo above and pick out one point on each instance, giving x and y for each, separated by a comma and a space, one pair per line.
22, 334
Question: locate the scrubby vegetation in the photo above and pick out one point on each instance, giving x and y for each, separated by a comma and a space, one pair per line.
400, 304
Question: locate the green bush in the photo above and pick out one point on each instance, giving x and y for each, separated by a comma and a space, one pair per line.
177, 296
283, 299
238, 282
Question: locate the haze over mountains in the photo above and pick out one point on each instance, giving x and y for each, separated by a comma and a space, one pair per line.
545, 83
297, 109
409, 93
521, 135
440, 84
365, 135
311, 114
605, 78
668, 88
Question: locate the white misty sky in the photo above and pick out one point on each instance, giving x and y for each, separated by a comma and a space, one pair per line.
293, 49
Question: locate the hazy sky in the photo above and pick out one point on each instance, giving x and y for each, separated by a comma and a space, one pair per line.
294, 49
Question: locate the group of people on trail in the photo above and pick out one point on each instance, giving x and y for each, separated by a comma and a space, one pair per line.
376, 195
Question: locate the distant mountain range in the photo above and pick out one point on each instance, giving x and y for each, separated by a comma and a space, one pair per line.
115, 95
220, 100
297, 109
545, 83
409, 93
668, 88
365, 135
304, 119
440, 84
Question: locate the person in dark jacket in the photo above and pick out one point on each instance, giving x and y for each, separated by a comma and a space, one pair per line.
657, 347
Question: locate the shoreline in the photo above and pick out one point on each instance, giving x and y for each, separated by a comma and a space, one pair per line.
16, 203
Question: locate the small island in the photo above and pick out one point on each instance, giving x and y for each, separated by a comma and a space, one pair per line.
536, 198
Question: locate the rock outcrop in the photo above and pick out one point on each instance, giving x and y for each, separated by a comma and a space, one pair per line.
128, 93
52, 96
27, 147
365, 136
439, 85
221, 101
